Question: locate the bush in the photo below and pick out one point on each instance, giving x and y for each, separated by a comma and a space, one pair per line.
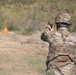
27, 16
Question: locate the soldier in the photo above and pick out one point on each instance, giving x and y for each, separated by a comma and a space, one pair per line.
61, 57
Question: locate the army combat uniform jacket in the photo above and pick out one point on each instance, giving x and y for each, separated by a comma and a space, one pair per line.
62, 51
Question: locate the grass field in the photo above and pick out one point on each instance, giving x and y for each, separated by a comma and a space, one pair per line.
29, 15
26, 59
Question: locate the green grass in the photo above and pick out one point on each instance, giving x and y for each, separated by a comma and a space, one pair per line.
24, 13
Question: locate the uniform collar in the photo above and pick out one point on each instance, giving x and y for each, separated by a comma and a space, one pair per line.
62, 28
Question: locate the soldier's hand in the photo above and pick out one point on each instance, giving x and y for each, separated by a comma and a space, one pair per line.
48, 27
52, 29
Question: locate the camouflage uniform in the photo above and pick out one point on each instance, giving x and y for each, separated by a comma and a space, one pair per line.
62, 49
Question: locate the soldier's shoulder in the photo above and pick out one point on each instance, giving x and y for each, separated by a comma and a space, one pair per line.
73, 34
57, 33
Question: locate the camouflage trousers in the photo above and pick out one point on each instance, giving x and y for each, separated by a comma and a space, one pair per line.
66, 70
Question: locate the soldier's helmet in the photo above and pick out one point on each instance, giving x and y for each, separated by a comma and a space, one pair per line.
63, 17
